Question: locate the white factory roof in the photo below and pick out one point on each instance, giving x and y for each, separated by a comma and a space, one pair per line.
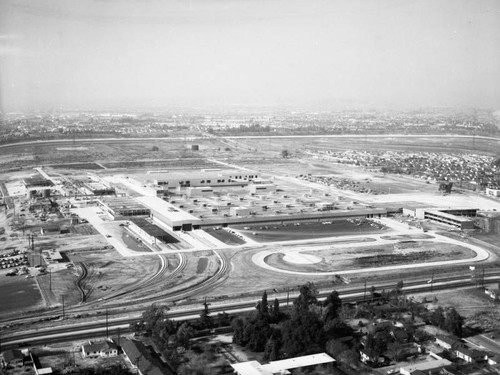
304, 361
173, 215
250, 368
281, 367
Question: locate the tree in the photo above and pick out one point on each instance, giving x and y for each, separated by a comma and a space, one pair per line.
184, 335
335, 347
453, 322
349, 357
239, 336
303, 334
332, 305
437, 317
307, 297
263, 306
275, 314
205, 320
399, 286
273, 345
285, 154
395, 351
198, 365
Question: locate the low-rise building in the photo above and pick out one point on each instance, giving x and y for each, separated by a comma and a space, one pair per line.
447, 342
493, 191
283, 366
12, 357
100, 349
428, 367
470, 355
142, 359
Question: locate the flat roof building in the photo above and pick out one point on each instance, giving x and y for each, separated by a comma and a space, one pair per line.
122, 207
212, 178
456, 217
493, 191
98, 188
36, 181
150, 232
282, 366
170, 215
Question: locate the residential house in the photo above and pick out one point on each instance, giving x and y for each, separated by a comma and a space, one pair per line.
100, 349
447, 342
13, 357
470, 355
366, 357
493, 358
427, 367
144, 360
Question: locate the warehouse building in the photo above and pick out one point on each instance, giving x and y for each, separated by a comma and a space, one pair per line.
261, 188
97, 188
165, 213
204, 178
120, 207
36, 182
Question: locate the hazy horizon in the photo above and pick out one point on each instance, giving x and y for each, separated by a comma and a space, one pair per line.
95, 54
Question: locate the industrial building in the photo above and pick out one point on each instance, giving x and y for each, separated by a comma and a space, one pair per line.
308, 362
456, 217
150, 232
120, 207
97, 188
165, 213
362, 213
261, 188
199, 191
204, 178
36, 182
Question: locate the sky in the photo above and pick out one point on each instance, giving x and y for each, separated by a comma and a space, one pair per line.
104, 54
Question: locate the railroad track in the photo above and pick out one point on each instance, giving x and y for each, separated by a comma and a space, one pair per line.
81, 279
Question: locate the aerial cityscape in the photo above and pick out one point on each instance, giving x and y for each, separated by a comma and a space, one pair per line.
241, 187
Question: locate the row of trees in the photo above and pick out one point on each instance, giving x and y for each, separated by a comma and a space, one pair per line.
309, 326
168, 335
304, 330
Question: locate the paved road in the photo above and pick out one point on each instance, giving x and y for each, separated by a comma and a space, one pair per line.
486, 342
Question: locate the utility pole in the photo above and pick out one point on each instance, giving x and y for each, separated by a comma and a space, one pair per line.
50, 279
63, 306
107, 335
287, 295
364, 295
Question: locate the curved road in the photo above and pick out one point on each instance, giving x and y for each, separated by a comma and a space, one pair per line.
481, 255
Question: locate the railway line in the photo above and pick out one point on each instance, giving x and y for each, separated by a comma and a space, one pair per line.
98, 328
80, 281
